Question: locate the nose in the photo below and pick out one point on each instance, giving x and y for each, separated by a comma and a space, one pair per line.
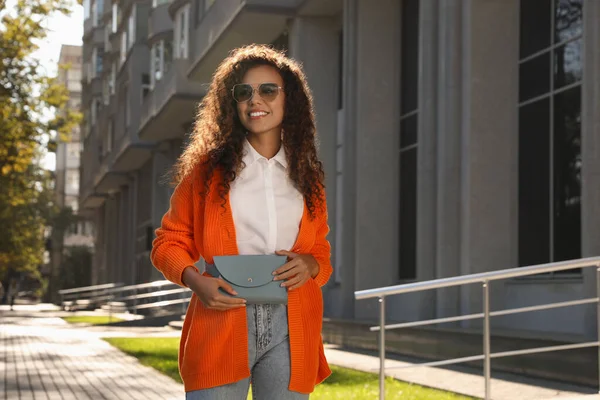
255, 99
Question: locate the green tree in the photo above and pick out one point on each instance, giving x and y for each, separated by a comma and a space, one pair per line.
32, 113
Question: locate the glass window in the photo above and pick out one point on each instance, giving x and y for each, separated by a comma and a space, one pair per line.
99, 10
408, 215
567, 175
131, 28
86, 9
123, 47
536, 18
568, 19
115, 17
409, 81
99, 61
550, 131
156, 3
156, 67
145, 85
94, 13
167, 55
568, 67
534, 183
181, 38
113, 77
410, 56
73, 150
534, 77
73, 180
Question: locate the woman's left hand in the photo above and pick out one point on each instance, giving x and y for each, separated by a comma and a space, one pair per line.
297, 271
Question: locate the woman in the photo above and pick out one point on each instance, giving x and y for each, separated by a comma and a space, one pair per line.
250, 182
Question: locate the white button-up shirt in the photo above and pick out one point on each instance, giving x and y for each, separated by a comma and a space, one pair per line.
266, 206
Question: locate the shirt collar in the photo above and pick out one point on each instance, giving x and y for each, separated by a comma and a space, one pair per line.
251, 155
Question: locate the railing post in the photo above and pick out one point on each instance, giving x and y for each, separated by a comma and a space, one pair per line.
598, 319
382, 348
486, 340
135, 301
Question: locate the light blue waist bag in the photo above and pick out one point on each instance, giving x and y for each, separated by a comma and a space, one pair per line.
251, 276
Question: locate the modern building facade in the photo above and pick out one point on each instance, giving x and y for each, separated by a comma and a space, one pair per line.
67, 177
457, 137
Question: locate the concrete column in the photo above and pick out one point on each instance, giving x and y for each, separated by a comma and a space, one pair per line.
349, 239
126, 243
133, 195
590, 149
314, 42
489, 172
427, 154
118, 237
161, 193
98, 254
449, 151
377, 145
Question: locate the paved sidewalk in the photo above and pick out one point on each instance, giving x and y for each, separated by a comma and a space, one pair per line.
45, 358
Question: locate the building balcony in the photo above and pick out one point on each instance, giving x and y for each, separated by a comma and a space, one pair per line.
160, 22
232, 23
91, 90
127, 152
170, 108
93, 34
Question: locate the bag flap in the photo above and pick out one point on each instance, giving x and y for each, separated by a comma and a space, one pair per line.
250, 270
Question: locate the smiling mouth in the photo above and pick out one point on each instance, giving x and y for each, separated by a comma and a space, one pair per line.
257, 114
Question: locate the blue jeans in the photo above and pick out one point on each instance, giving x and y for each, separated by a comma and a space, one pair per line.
268, 358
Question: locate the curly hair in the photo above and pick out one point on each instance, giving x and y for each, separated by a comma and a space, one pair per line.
218, 136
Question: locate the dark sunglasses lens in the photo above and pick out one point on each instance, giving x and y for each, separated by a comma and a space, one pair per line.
268, 91
242, 92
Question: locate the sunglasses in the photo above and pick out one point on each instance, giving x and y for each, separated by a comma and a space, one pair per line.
244, 91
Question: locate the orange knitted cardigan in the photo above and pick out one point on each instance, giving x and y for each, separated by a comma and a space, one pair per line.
213, 350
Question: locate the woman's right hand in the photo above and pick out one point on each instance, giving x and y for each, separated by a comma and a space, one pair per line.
207, 290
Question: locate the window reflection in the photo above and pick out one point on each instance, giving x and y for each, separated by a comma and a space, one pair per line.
550, 131
567, 64
568, 21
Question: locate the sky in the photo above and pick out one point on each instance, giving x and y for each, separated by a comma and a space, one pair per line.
62, 30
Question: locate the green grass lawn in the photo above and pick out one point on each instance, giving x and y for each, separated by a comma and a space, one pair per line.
93, 320
346, 384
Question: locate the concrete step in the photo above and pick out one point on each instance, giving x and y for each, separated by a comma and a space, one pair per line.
114, 307
578, 366
176, 325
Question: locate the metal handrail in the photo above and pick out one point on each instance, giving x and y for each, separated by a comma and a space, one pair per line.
88, 288
140, 286
115, 292
477, 278
152, 294
485, 279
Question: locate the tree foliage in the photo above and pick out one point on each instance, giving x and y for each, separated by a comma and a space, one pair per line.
32, 113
